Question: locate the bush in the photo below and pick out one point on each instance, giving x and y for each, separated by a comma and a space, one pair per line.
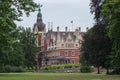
76, 65
9, 68
68, 65
50, 67
20, 69
59, 66
30, 69
115, 71
85, 69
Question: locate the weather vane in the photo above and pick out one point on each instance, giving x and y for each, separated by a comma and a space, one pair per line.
39, 6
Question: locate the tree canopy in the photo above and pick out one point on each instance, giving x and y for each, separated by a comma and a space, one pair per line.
29, 48
96, 47
111, 14
11, 11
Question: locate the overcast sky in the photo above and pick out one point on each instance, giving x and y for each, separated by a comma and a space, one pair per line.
61, 12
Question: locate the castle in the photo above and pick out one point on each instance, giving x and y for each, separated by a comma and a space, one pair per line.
57, 47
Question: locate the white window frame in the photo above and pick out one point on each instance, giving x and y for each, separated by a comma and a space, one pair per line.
73, 53
66, 53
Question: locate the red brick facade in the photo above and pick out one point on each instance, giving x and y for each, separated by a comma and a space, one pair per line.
57, 47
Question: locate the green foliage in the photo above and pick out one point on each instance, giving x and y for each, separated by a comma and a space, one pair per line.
85, 69
54, 67
115, 71
68, 65
111, 14
96, 6
85, 65
10, 49
96, 47
100, 38
9, 68
27, 40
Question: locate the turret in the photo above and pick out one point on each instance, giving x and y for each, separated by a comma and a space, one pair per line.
39, 15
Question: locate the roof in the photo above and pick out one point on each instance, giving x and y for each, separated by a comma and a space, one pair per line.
40, 26
63, 35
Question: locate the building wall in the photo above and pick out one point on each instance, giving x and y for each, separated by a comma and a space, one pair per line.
55, 45
71, 55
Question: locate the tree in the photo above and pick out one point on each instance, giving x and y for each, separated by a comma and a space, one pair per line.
96, 8
15, 54
27, 40
111, 14
96, 47
11, 11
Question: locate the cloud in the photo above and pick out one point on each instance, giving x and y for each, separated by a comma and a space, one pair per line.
80, 2
61, 12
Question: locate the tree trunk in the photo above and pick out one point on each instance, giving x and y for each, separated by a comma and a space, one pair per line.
107, 71
98, 70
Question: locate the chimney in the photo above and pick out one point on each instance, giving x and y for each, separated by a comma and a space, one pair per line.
87, 29
66, 29
58, 29
80, 29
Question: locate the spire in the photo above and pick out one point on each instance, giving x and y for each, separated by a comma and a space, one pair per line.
39, 15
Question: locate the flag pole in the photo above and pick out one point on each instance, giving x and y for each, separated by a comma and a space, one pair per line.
72, 25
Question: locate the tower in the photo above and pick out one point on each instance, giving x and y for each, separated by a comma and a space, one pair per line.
39, 26
39, 29
39, 15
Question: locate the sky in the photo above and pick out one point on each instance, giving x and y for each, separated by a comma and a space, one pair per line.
61, 13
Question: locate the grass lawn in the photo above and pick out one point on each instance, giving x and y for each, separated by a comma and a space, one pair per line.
57, 76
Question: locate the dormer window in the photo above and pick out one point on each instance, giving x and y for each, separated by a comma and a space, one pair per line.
62, 45
76, 45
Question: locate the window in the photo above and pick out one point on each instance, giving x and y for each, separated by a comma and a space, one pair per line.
73, 53
66, 53
66, 61
76, 45
62, 45
73, 61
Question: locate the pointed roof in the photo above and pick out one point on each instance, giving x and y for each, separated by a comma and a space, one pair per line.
39, 15
39, 23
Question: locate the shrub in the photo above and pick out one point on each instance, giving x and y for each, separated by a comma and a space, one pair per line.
20, 69
9, 68
85, 69
68, 65
50, 67
115, 71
